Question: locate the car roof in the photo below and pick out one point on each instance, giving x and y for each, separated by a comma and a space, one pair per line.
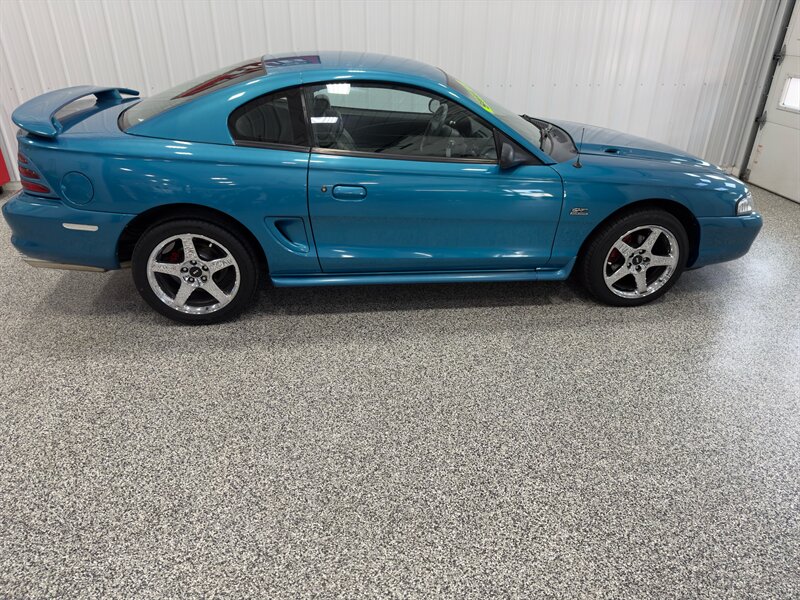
197, 119
361, 62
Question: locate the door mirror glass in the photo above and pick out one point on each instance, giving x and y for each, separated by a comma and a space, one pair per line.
434, 105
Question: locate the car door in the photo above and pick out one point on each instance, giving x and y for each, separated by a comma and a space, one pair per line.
401, 179
266, 185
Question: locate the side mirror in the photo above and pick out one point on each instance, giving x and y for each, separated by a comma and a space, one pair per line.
507, 156
511, 155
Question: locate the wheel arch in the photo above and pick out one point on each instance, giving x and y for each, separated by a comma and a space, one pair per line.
170, 212
676, 209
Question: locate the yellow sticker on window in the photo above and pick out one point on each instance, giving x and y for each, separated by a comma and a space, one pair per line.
475, 97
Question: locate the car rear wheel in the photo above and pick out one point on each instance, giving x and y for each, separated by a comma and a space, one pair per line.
636, 258
193, 271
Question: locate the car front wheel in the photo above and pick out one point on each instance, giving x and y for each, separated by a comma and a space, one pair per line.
636, 258
193, 271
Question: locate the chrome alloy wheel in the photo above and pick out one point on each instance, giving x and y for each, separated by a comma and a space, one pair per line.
193, 274
641, 261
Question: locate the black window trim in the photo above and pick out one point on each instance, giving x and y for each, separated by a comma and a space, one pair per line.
364, 154
272, 146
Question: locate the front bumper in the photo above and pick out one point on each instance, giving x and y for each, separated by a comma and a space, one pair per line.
726, 238
48, 231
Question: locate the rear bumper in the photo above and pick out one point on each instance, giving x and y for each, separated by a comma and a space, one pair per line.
48, 231
726, 238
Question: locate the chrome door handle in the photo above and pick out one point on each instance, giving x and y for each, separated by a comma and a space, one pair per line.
349, 193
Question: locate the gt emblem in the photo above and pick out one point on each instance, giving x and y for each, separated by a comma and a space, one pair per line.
579, 212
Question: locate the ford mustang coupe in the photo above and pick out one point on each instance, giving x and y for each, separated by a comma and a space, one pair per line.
336, 168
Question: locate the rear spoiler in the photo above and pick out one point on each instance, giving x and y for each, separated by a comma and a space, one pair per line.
39, 114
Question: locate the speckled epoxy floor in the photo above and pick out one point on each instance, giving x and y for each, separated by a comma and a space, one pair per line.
461, 440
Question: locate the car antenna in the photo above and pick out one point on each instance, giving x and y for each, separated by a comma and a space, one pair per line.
577, 164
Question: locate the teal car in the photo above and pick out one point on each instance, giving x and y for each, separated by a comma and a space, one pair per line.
336, 168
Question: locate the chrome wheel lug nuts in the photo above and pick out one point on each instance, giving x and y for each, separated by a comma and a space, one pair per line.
204, 278
194, 262
205, 268
184, 269
190, 280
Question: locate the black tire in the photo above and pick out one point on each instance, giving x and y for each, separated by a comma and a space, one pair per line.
593, 266
213, 238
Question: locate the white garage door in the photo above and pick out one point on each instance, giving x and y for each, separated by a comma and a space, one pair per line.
775, 163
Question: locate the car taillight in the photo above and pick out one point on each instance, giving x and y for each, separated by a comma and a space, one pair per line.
35, 187
29, 173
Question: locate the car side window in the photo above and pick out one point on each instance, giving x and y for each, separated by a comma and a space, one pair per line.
396, 122
275, 118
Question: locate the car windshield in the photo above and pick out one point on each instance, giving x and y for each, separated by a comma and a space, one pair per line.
211, 82
527, 129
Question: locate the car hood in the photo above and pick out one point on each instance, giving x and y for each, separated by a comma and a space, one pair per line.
607, 142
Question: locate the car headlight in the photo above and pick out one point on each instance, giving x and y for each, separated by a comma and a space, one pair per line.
744, 206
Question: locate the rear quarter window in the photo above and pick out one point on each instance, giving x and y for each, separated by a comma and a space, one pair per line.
274, 119
191, 90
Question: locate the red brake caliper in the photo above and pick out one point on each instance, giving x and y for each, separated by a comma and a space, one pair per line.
616, 256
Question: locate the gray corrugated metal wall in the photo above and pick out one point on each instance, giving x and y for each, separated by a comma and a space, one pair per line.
681, 72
